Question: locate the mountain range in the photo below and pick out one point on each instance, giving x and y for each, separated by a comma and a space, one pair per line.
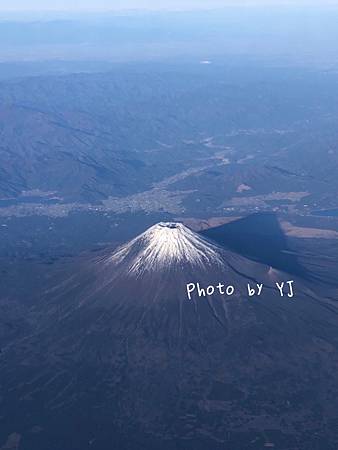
181, 130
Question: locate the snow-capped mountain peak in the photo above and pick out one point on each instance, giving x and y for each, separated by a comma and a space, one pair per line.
164, 245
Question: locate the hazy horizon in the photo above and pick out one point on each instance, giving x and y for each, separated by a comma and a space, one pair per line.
108, 5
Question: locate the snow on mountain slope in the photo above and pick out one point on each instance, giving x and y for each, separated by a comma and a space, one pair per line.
166, 244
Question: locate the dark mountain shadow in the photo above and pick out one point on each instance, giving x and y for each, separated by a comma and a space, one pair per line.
258, 237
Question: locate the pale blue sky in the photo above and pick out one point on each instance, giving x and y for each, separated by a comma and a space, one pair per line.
79, 5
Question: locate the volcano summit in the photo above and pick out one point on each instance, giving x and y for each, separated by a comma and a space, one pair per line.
164, 245
116, 351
